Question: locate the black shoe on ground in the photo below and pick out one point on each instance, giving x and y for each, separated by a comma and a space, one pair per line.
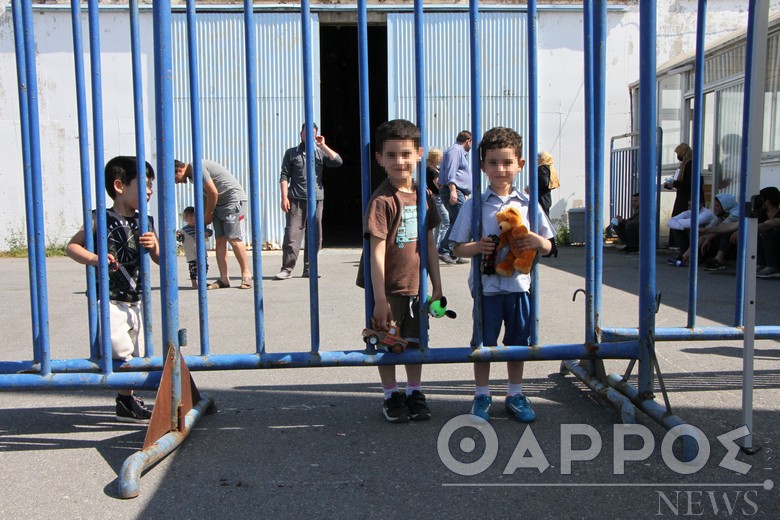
418, 410
395, 408
132, 410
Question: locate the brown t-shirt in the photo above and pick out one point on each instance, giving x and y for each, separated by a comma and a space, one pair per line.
392, 216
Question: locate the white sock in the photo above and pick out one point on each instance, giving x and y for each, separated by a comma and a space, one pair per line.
514, 389
482, 391
389, 391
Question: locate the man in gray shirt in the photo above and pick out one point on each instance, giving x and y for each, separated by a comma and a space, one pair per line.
454, 187
292, 185
225, 204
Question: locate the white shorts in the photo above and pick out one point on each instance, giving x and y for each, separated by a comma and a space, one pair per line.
127, 330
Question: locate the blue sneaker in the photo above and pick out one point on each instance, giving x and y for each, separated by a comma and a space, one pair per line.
519, 406
481, 406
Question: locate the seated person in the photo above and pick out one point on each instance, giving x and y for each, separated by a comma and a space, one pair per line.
716, 243
769, 234
680, 229
627, 230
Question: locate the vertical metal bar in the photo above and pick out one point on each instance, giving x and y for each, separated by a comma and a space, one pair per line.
365, 146
169, 278
86, 183
599, 122
532, 161
197, 176
647, 169
476, 130
698, 125
24, 118
37, 189
755, 80
140, 154
422, 210
590, 311
101, 244
254, 168
658, 176
311, 181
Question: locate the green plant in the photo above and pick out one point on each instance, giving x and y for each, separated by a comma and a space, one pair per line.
562, 230
16, 242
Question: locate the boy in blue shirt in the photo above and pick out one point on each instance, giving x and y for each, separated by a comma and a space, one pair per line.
504, 299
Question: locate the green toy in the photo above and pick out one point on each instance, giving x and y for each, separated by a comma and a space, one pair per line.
438, 308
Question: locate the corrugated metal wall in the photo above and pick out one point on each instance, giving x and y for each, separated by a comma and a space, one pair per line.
221, 63
503, 53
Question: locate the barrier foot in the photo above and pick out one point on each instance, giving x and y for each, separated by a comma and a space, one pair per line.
623, 405
657, 412
173, 418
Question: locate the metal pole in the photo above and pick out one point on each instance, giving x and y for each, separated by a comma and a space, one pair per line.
365, 146
422, 209
647, 210
254, 169
590, 166
311, 182
755, 79
140, 154
532, 162
476, 131
197, 175
698, 117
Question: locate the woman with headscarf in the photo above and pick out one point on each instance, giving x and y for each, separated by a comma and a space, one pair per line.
546, 170
683, 182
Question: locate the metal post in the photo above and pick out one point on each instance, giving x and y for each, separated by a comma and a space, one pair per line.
169, 278
755, 79
647, 210
365, 146
422, 209
698, 117
254, 168
532, 161
311, 182
197, 175
140, 154
590, 166
476, 132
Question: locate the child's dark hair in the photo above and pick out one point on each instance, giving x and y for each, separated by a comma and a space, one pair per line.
501, 137
123, 167
189, 210
397, 129
771, 194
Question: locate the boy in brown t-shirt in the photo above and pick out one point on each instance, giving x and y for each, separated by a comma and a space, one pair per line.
391, 226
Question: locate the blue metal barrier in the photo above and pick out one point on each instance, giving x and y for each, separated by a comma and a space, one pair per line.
98, 370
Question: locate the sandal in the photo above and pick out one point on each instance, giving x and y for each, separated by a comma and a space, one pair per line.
246, 283
219, 284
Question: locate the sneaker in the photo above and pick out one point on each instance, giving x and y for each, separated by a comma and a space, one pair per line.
480, 406
283, 275
714, 265
769, 272
136, 413
459, 260
395, 408
519, 406
305, 274
447, 258
418, 410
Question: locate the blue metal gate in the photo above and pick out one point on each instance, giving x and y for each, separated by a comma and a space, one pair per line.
636, 344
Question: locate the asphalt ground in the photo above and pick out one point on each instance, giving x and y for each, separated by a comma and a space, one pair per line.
312, 442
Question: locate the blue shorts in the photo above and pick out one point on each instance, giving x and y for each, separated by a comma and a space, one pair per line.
513, 310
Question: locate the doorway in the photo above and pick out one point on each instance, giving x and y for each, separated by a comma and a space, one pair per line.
340, 108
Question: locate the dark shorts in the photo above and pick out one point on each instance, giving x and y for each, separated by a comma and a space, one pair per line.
408, 325
230, 221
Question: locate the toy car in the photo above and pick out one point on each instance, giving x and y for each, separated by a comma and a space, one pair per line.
388, 340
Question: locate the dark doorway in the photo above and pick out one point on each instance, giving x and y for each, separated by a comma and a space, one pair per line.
340, 108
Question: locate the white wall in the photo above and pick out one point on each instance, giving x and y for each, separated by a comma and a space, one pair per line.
61, 174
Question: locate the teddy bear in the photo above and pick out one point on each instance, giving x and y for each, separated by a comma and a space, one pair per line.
511, 225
